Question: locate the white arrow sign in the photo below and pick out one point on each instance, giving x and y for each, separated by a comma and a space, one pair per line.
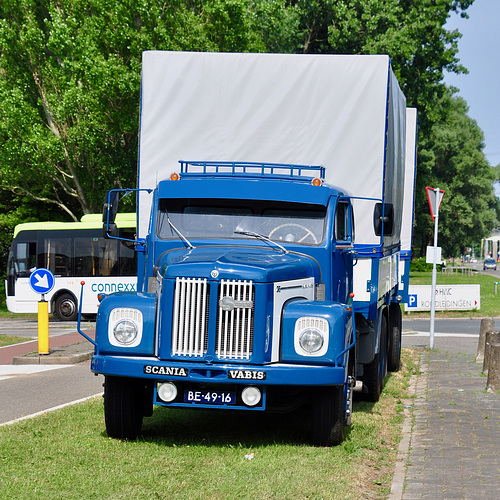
42, 281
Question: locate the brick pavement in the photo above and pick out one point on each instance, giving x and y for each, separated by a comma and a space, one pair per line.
455, 442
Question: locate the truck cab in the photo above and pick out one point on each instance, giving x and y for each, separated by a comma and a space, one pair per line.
249, 302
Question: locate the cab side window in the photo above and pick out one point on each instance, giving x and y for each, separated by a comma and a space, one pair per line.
344, 225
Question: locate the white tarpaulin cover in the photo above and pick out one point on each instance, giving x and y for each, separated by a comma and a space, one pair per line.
410, 172
345, 113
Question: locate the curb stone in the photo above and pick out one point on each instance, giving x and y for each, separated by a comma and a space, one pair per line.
65, 355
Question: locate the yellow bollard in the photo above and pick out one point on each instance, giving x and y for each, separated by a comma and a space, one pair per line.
43, 327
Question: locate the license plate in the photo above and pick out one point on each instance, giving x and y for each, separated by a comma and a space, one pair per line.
210, 397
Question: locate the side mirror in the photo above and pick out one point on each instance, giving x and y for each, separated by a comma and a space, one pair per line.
387, 219
109, 211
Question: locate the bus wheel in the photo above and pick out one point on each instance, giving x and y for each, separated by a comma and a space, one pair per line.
123, 407
328, 416
66, 308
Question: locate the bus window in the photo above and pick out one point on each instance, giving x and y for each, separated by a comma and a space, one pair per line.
26, 258
128, 259
56, 256
86, 259
95, 256
109, 264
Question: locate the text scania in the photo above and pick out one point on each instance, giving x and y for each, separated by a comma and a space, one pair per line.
165, 370
112, 287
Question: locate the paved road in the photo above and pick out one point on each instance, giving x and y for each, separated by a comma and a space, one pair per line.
453, 335
29, 389
478, 266
29, 327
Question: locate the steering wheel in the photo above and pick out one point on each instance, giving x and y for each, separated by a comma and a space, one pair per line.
308, 232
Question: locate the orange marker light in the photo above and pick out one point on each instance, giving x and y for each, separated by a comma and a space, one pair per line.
316, 181
174, 176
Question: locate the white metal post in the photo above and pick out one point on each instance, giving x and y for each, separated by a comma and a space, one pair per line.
433, 286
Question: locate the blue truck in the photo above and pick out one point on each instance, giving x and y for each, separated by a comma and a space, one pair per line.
262, 284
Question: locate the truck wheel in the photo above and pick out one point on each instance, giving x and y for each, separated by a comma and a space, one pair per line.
66, 308
375, 372
123, 407
395, 328
328, 416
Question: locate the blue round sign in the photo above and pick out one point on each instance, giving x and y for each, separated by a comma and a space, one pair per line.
42, 280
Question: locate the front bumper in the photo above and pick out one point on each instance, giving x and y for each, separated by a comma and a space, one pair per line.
283, 374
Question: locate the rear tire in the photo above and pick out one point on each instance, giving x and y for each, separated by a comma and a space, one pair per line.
395, 329
374, 373
66, 308
328, 416
123, 407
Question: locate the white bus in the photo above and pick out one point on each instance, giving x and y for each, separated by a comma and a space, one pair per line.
74, 252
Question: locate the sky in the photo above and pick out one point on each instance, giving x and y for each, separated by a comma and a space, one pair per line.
479, 52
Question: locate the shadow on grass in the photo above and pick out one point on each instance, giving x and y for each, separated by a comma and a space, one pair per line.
172, 427
175, 427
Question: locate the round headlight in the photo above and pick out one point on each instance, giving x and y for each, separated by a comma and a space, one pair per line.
125, 331
311, 340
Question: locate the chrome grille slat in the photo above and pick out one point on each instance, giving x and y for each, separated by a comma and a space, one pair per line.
234, 326
189, 326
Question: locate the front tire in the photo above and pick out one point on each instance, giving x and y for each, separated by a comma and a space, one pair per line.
123, 407
328, 416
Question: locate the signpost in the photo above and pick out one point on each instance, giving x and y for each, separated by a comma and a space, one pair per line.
435, 196
42, 281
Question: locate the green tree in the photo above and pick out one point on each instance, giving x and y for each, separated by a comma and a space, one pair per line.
496, 172
413, 34
69, 87
70, 82
452, 156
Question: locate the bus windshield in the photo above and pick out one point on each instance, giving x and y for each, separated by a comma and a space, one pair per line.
279, 221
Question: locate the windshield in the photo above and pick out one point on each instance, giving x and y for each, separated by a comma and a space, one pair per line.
279, 221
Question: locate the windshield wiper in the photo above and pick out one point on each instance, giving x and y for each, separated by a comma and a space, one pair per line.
263, 238
179, 234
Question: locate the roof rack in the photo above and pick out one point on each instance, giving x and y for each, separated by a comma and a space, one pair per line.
252, 169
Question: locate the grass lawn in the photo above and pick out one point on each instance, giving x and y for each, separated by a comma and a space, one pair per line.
201, 454
11, 339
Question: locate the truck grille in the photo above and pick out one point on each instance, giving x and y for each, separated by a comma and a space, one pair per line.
190, 317
235, 320
234, 309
